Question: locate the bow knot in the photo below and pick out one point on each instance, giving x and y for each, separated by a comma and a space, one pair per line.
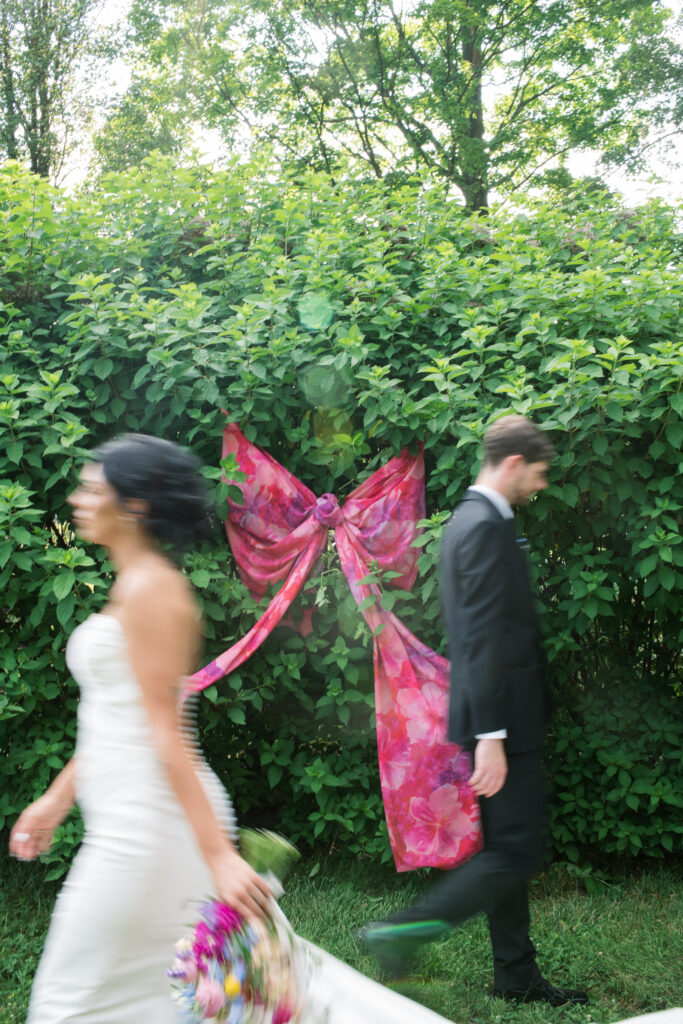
327, 511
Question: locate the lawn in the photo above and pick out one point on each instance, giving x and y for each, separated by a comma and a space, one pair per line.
624, 943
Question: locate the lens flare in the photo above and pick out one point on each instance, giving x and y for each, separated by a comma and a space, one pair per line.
315, 311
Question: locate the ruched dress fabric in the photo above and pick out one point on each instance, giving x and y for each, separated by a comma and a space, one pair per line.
136, 880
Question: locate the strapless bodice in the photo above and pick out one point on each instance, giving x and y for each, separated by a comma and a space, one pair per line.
119, 775
112, 720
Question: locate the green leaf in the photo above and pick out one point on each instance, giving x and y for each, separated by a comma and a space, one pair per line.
21, 535
103, 368
667, 576
63, 584
6, 548
648, 564
624, 488
201, 578
14, 450
674, 435
65, 610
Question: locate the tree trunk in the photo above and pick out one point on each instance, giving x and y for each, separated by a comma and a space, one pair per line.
475, 158
8, 132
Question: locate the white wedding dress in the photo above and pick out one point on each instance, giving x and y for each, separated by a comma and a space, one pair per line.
130, 893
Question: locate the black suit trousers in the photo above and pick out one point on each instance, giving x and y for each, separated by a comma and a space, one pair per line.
494, 881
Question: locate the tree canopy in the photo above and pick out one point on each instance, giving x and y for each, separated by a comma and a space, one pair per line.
46, 78
485, 94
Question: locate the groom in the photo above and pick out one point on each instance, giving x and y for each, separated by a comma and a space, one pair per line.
498, 710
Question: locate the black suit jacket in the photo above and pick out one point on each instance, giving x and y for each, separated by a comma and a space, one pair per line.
497, 675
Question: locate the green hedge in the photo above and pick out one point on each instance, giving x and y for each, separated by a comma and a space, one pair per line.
337, 323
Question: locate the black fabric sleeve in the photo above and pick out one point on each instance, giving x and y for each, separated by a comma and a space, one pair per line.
482, 583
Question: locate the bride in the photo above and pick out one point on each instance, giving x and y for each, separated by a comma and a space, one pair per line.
159, 829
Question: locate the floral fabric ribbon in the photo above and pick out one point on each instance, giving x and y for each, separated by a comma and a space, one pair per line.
277, 536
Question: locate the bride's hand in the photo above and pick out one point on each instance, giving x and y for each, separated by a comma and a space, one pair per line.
238, 885
33, 830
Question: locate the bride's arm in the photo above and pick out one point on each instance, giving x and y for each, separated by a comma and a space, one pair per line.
34, 828
161, 629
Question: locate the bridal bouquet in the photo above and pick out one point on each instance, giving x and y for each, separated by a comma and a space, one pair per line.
236, 972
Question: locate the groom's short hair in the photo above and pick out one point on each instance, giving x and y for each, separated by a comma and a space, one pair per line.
516, 435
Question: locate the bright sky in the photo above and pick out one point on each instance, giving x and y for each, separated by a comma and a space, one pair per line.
666, 183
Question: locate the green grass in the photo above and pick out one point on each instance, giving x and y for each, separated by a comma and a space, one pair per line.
25, 905
624, 944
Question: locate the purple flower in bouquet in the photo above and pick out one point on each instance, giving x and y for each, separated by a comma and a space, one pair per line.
184, 970
220, 917
185, 967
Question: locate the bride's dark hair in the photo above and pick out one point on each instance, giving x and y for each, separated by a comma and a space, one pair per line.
164, 476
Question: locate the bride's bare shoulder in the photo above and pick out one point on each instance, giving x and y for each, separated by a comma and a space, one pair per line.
156, 587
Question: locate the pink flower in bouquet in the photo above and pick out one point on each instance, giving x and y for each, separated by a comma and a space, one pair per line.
191, 970
282, 1014
205, 944
210, 996
227, 919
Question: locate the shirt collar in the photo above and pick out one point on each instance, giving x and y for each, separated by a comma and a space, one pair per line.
498, 500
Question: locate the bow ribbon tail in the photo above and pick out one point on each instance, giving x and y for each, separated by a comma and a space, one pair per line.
251, 641
432, 813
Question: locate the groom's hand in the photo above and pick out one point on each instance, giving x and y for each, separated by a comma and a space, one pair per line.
490, 767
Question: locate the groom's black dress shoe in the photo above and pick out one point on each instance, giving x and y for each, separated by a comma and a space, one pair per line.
543, 991
395, 946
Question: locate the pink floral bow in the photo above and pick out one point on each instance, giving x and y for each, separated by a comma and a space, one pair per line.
277, 536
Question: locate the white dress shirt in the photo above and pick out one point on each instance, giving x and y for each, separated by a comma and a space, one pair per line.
503, 505
496, 498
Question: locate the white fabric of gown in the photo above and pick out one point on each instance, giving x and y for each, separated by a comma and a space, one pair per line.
133, 887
